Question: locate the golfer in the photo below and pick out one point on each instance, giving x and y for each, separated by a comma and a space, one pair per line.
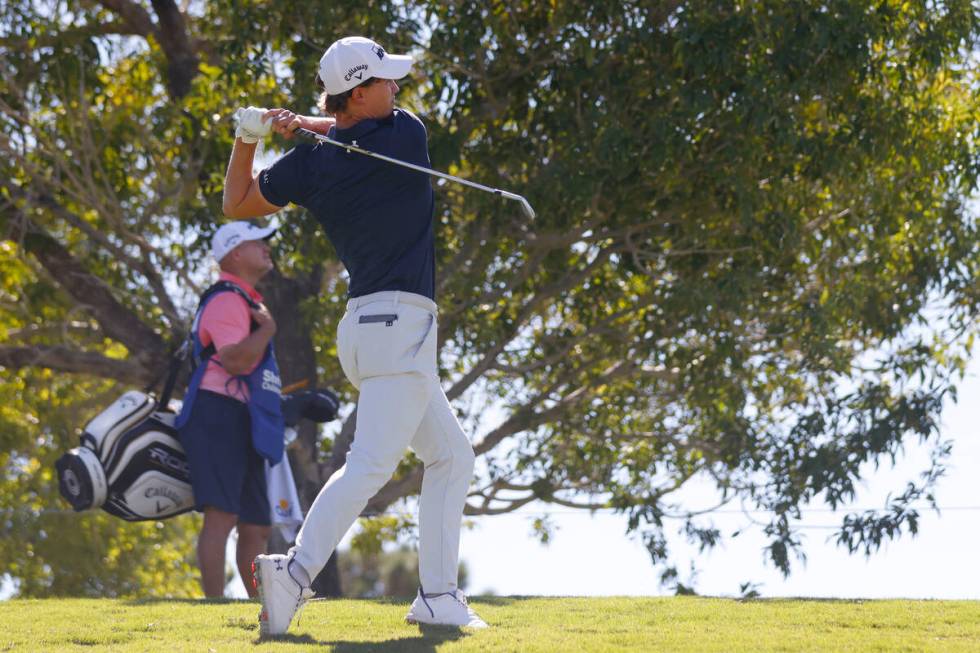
378, 217
231, 419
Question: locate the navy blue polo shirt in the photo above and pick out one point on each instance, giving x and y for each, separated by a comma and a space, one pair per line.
378, 215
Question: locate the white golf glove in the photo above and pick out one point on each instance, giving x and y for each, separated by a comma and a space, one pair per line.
251, 128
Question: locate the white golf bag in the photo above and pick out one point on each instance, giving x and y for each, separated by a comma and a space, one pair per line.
130, 463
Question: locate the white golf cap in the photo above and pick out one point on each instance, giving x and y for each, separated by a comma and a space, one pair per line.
355, 59
231, 235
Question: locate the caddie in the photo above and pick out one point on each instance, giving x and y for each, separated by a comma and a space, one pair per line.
379, 218
231, 419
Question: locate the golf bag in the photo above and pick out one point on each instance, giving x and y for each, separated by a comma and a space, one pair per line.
130, 463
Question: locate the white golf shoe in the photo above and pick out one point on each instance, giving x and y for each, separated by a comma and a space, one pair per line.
279, 592
446, 609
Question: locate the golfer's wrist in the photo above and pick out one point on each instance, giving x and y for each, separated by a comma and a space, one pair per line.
318, 124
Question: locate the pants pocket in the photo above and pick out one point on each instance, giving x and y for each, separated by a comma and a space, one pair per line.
346, 349
425, 353
389, 338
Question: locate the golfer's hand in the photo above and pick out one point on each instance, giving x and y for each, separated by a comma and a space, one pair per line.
263, 318
284, 122
252, 126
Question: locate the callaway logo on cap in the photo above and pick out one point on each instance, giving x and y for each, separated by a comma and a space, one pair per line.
230, 235
355, 59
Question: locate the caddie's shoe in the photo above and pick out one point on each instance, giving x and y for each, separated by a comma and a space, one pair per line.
280, 593
446, 609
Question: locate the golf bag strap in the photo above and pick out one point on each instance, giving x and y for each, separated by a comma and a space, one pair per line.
175, 363
170, 377
179, 356
220, 286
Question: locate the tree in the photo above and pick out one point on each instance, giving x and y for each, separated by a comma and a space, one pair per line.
750, 217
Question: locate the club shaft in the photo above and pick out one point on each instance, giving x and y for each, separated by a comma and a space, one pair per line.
412, 166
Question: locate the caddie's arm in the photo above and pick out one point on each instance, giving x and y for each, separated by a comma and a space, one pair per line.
242, 356
242, 197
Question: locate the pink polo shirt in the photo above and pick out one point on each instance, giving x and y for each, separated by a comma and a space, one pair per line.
226, 321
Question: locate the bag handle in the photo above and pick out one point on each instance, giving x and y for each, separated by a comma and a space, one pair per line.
176, 361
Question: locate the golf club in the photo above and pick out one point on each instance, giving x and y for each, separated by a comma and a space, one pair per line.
525, 205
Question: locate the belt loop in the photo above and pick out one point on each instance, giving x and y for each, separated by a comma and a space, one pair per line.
397, 295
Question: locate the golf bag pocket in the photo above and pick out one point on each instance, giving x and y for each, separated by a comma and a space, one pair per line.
103, 432
81, 479
148, 475
130, 463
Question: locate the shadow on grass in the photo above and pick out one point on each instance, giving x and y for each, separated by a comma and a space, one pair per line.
499, 601
157, 599
384, 600
428, 641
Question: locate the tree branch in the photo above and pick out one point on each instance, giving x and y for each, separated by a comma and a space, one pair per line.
117, 321
171, 33
557, 288
132, 14
71, 35
75, 361
526, 418
177, 46
143, 266
512, 505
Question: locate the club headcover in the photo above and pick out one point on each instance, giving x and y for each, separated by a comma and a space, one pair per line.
317, 405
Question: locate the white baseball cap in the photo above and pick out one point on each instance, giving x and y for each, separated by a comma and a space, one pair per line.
355, 59
231, 235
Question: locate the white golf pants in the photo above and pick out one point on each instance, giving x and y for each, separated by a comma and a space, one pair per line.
386, 342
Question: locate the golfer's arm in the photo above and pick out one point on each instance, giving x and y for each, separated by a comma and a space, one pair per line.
242, 197
240, 357
319, 124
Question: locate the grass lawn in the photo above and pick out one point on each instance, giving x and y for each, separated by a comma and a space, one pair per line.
517, 624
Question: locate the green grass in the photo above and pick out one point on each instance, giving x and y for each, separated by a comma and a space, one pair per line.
517, 624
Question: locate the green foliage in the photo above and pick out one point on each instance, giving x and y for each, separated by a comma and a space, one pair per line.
375, 532
753, 260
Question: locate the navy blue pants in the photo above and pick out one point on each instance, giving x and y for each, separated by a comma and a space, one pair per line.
226, 471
